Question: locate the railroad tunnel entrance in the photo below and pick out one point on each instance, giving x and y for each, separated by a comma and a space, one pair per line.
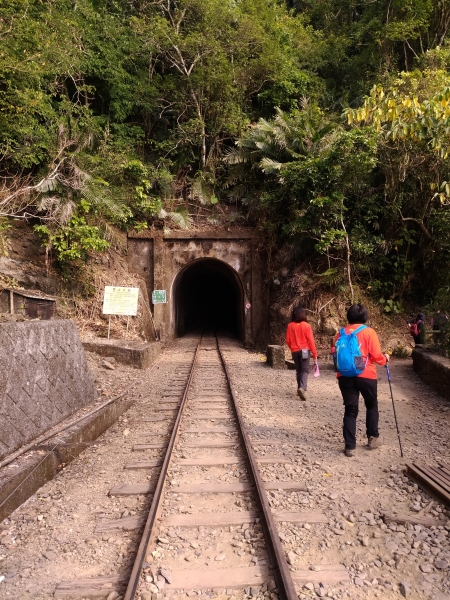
208, 295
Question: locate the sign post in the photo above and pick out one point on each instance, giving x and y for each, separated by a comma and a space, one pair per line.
120, 301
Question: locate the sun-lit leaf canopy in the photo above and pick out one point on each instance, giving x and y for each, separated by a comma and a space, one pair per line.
415, 107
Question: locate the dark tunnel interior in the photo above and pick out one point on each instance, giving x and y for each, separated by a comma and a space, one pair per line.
208, 297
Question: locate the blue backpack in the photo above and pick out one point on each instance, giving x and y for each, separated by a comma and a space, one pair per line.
347, 354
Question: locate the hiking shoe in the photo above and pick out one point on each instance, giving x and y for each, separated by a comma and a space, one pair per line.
348, 452
374, 442
302, 393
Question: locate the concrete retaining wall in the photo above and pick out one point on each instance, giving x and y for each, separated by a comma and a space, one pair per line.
136, 354
23, 477
44, 378
432, 369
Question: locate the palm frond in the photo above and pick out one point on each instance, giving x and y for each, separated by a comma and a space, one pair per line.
116, 238
100, 195
56, 208
270, 166
183, 221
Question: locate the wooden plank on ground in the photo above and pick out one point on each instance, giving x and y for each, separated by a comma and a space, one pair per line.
212, 519
153, 419
95, 587
412, 519
302, 516
236, 577
140, 447
445, 469
419, 474
328, 574
439, 476
125, 524
132, 489
165, 409
143, 464
165, 400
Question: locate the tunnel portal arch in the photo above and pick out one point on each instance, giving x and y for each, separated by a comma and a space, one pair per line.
167, 260
208, 294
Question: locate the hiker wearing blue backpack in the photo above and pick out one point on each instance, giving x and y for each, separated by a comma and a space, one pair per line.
356, 353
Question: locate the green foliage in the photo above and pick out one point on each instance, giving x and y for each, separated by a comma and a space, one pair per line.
391, 306
72, 242
137, 115
5, 225
416, 107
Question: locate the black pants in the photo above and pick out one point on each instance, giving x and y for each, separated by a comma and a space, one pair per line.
302, 369
350, 389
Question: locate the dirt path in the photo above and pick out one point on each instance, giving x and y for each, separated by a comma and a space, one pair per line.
51, 537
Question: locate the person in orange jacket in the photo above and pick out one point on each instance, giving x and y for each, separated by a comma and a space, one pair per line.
300, 339
365, 383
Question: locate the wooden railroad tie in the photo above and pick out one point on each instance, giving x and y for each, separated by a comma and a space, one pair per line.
187, 521
133, 489
231, 578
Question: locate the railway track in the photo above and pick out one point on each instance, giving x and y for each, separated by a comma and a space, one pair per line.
209, 489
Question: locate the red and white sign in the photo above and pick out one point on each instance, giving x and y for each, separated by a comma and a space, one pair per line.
248, 305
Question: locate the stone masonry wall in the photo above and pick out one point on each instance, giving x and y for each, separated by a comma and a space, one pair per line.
44, 378
432, 369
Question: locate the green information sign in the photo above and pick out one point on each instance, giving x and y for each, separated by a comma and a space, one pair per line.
159, 297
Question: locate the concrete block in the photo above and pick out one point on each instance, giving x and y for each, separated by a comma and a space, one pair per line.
275, 357
44, 378
136, 354
433, 369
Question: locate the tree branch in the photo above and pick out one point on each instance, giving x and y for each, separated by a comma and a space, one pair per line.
422, 227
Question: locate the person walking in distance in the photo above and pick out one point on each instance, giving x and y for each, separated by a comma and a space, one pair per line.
300, 339
417, 329
356, 353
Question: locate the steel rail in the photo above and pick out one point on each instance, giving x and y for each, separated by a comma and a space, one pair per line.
285, 584
158, 495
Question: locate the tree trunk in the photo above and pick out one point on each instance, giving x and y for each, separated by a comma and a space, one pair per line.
349, 270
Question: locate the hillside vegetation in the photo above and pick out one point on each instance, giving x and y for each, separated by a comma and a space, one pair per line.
324, 124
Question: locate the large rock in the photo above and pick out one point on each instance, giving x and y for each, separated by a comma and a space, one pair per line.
330, 325
27, 275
